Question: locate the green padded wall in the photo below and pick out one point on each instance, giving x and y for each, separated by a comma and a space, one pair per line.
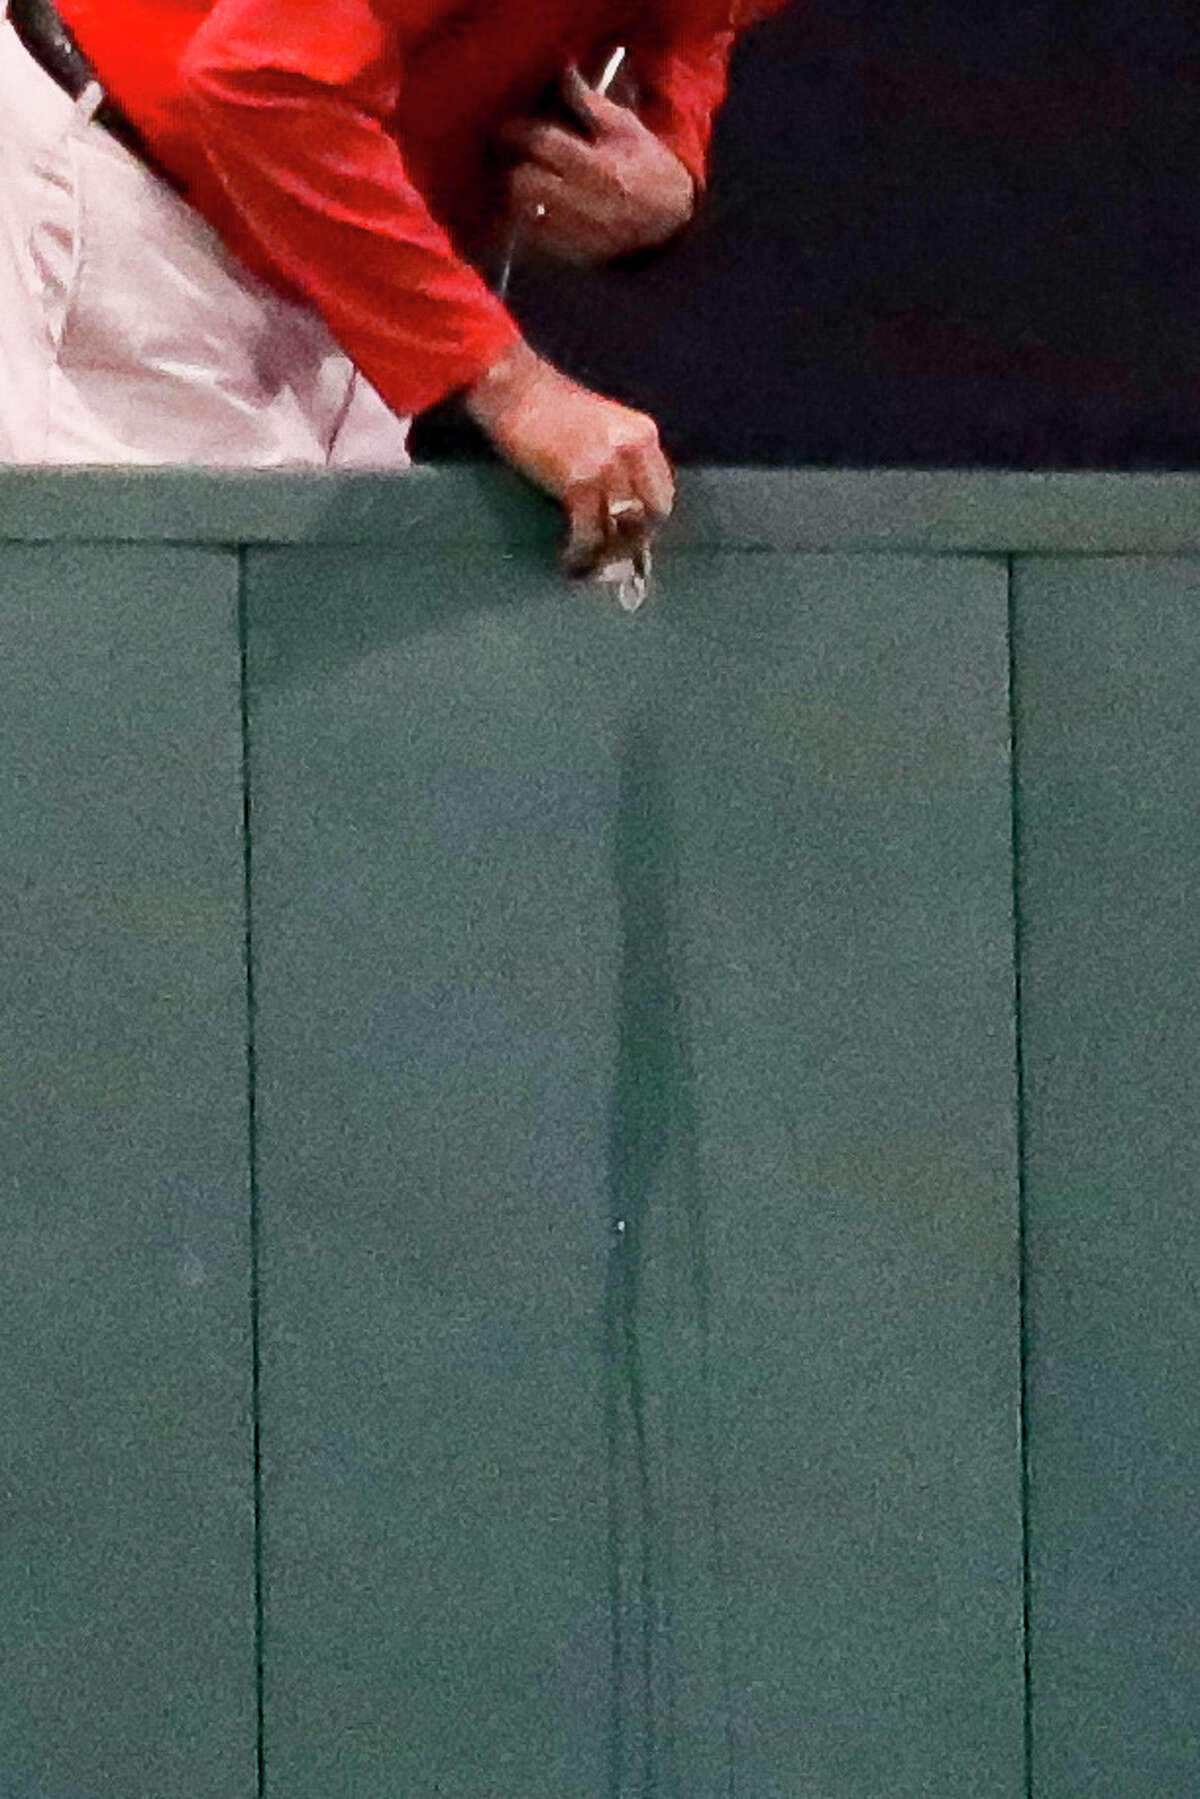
637, 1174
636, 1131
127, 1629
1108, 659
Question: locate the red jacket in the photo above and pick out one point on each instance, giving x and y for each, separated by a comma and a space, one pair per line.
343, 148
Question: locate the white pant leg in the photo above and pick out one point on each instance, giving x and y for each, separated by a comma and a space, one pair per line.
370, 435
129, 334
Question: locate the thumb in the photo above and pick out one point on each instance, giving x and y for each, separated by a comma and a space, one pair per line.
585, 103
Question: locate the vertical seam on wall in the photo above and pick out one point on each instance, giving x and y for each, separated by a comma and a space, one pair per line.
252, 1135
1022, 1212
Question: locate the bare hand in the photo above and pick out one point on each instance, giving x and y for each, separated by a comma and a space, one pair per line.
601, 459
585, 199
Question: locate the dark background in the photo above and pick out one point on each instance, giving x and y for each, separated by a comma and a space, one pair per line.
937, 234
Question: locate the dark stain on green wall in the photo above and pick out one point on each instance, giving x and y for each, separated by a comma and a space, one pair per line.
657, 1256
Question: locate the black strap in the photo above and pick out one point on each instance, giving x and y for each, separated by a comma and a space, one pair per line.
50, 44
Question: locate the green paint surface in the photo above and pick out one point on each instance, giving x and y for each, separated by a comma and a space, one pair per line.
637, 1179
636, 1131
1109, 668
126, 1507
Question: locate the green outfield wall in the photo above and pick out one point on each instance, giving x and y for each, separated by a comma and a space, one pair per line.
599, 1206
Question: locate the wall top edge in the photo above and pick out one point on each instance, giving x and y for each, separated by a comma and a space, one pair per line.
469, 506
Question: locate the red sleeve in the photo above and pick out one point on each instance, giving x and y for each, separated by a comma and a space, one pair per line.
290, 104
681, 90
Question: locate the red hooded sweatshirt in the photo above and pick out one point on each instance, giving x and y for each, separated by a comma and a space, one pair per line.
344, 149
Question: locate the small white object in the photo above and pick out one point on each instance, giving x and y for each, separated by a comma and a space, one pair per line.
509, 258
611, 68
630, 573
630, 577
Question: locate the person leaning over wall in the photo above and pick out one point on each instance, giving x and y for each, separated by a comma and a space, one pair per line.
250, 232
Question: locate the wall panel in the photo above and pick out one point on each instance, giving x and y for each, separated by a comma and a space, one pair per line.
638, 1183
1108, 659
637, 1136
126, 1474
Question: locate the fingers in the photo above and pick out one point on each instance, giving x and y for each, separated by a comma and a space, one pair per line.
556, 145
605, 535
613, 516
530, 186
553, 147
578, 98
594, 110
587, 527
650, 478
582, 101
544, 210
564, 218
